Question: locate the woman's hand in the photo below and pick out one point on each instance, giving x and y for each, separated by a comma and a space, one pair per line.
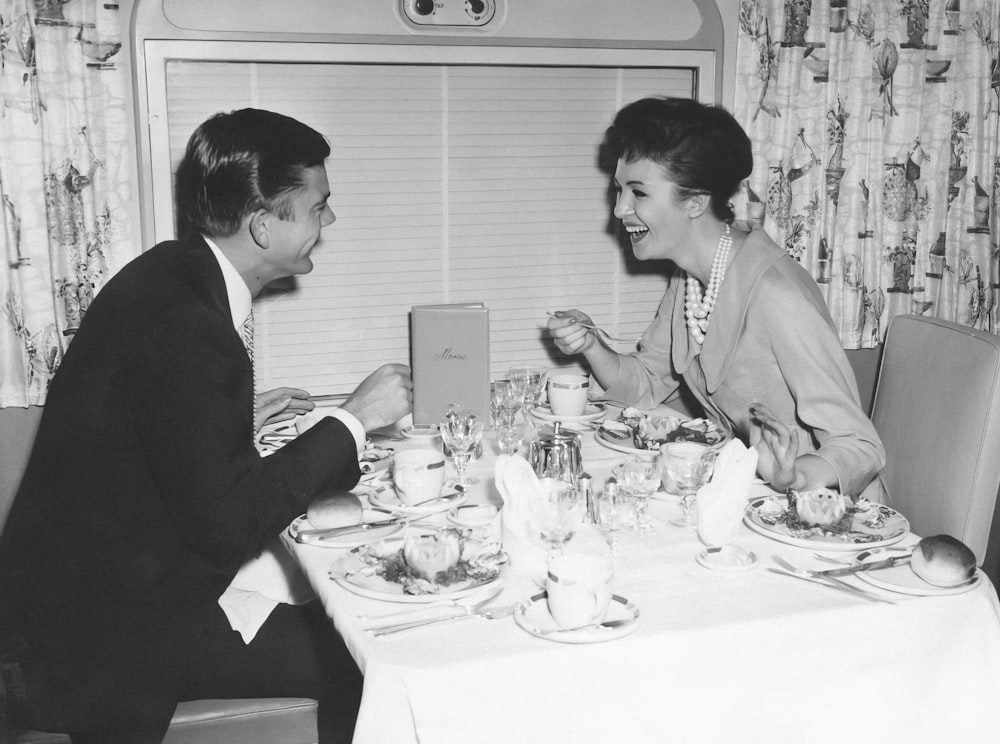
279, 404
777, 447
569, 336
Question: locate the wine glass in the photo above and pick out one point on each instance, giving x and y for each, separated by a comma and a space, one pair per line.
610, 515
557, 512
688, 465
509, 439
531, 377
640, 475
461, 432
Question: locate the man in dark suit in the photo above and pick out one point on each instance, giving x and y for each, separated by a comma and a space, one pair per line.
144, 493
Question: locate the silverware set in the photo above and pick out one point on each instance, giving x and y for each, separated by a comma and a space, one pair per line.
479, 610
818, 577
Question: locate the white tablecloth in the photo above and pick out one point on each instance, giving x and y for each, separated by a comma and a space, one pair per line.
717, 657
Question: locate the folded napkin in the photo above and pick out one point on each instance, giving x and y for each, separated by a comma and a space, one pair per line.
261, 584
723, 499
518, 485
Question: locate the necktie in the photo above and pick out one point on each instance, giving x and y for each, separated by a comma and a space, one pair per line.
248, 345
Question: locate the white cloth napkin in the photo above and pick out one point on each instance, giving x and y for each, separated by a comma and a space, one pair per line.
722, 500
264, 582
518, 485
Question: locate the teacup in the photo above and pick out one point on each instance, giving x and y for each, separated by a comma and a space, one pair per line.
578, 588
418, 475
568, 394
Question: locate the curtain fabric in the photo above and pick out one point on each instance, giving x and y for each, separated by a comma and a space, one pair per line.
65, 170
876, 155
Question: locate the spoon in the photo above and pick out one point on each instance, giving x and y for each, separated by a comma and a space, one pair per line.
596, 329
606, 625
447, 498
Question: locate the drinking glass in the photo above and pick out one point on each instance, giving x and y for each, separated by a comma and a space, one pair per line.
506, 399
640, 476
461, 431
532, 378
509, 439
611, 508
557, 512
688, 465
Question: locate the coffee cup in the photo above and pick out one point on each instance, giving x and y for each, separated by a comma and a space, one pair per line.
418, 475
578, 588
568, 394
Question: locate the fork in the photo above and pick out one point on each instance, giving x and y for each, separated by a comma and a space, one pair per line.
829, 581
598, 329
495, 613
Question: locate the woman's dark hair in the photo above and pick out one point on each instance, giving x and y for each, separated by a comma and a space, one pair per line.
242, 161
702, 149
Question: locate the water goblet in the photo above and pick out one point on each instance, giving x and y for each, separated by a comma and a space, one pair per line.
688, 465
509, 439
461, 431
506, 398
640, 475
557, 512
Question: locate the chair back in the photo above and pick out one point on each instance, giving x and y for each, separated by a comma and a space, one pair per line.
937, 409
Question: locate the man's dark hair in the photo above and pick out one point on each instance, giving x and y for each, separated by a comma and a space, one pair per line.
242, 161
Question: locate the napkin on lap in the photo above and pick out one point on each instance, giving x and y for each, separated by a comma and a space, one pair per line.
722, 501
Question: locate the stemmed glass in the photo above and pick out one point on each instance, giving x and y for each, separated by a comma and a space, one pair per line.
640, 475
610, 515
689, 466
531, 378
557, 513
461, 431
506, 398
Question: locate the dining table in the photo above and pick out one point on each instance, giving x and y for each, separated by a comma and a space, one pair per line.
743, 654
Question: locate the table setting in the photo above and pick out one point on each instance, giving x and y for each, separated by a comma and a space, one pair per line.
538, 614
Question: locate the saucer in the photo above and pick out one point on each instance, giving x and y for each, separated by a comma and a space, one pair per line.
727, 558
532, 615
387, 499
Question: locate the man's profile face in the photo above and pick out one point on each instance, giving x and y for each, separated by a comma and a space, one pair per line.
292, 239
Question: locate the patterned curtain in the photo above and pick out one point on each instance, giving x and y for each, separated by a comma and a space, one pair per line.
876, 130
65, 166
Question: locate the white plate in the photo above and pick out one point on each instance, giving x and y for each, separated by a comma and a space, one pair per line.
874, 527
533, 616
422, 432
593, 412
902, 579
386, 498
353, 574
721, 559
620, 445
349, 540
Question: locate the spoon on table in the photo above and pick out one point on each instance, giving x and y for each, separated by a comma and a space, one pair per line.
606, 625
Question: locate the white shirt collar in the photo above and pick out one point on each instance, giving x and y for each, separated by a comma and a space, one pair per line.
237, 291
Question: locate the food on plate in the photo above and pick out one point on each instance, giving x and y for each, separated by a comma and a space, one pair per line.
372, 458
820, 507
943, 561
432, 554
334, 509
646, 432
434, 561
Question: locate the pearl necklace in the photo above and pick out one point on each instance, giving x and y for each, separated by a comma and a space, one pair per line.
697, 309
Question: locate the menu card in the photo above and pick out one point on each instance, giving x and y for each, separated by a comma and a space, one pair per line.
450, 360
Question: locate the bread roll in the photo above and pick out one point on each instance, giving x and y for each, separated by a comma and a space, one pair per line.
943, 561
334, 509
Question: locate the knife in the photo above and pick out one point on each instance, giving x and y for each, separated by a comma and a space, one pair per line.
895, 560
303, 536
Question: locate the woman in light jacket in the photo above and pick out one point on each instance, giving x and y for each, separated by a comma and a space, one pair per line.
742, 326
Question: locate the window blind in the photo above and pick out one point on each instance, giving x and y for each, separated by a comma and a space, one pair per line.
450, 183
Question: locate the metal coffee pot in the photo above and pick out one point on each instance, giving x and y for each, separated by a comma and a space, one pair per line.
556, 453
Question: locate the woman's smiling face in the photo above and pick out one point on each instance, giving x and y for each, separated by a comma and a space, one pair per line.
650, 210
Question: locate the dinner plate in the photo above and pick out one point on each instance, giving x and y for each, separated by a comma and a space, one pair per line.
352, 572
593, 412
386, 498
533, 616
872, 526
621, 446
902, 579
349, 540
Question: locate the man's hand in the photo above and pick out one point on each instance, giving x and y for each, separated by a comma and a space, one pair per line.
279, 404
382, 398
